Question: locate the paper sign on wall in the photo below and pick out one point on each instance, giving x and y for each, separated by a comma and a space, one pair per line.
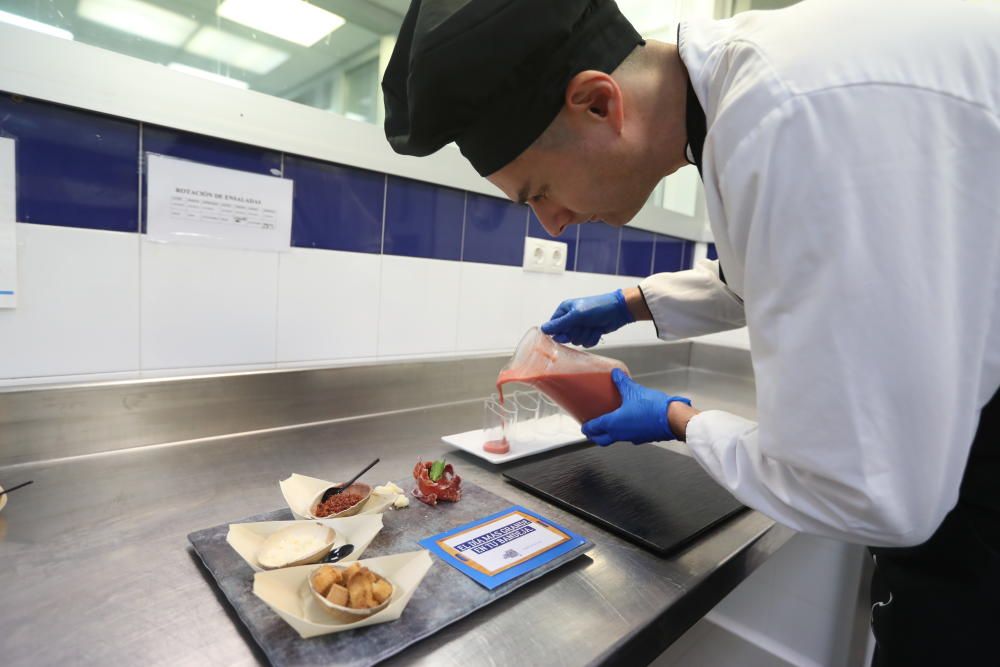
189, 202
8, 226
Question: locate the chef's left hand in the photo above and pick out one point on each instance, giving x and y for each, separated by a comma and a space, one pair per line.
641, 418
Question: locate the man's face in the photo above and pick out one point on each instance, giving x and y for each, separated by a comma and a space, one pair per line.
589, 174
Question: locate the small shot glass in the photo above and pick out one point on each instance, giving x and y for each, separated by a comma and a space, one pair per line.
499, 423
549, 416
528, 405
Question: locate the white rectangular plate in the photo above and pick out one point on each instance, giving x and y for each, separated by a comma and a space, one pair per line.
532, 438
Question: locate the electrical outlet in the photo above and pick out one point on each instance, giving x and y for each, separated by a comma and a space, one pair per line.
544, 256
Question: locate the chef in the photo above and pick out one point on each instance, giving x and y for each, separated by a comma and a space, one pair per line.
850, 154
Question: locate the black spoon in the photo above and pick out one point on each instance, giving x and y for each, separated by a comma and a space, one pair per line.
340, 553
334, 490
15, 488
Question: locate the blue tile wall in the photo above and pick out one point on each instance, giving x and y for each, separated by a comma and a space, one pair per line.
335, 207
205, 150
712, 253
598, 248
494, 230
209, 150
569, 237
74, 168
669, 254
635, 258
80, 169
423, 220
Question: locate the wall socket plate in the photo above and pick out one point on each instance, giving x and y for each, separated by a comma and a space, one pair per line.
544, 256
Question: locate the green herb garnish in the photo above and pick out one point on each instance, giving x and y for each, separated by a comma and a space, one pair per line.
437, 469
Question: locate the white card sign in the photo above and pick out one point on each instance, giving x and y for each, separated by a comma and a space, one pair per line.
189, 202
8, 226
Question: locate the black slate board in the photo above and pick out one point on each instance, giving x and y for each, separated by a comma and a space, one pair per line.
443, 597
658, 499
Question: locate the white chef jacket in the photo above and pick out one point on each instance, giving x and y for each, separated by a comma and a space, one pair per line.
852, 174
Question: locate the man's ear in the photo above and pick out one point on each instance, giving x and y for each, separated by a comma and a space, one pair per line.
593, 96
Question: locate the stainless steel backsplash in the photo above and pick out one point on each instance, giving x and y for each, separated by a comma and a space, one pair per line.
53, 422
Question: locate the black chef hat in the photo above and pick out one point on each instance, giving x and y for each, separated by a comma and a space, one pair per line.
491, 75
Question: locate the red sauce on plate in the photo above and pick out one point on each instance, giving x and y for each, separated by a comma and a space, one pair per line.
500, 446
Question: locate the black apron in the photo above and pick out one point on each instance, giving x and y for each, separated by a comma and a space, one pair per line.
936, 604
939, 603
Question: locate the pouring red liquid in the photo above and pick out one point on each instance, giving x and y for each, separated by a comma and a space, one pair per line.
579, 382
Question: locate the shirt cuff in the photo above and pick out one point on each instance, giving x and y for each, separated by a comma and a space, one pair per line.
709, 432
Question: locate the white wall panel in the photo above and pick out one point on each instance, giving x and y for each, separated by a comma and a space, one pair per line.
78, 304
207, 307
418, 307
490, 307
327, 305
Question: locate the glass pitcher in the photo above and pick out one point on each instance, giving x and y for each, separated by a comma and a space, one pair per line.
580, 382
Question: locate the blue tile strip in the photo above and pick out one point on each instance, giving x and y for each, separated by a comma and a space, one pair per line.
494, 230
423, 220
598, 251
335, 207
668, 254
635, 257
74, 168
210, 151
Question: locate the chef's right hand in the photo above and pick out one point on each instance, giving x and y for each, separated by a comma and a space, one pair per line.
583, 321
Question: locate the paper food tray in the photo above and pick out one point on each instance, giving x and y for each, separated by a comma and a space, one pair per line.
299, 491
358, 530
286, 591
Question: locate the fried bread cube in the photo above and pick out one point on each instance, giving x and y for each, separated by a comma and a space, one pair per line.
325, 577
338, 595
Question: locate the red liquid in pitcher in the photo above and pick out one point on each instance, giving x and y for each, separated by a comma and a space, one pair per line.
583, 395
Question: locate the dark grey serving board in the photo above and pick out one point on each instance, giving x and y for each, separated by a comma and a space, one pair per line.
659, 499
443, 597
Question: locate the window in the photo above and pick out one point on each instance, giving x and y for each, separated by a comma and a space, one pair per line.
303, 51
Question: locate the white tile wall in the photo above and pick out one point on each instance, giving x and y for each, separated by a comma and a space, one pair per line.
78, 304
207, 306
543, 292
418, 307
327, 305
99, 305
490, 307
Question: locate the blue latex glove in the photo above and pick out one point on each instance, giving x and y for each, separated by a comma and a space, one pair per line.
583, 321
641, 418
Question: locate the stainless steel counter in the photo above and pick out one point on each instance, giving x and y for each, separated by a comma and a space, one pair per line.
95, 568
